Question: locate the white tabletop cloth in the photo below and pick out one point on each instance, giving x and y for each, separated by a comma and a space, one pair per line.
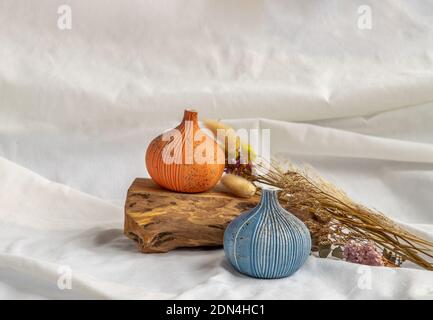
78, 108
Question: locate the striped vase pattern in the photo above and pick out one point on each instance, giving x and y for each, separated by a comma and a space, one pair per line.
267, 241
172, 163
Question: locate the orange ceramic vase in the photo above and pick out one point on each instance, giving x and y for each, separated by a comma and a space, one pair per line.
184, 159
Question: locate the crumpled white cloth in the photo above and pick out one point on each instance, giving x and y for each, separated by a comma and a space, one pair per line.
78, 108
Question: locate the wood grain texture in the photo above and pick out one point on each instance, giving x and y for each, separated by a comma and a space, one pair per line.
160, 220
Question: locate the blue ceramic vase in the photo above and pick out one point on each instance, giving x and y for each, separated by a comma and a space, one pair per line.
267, 241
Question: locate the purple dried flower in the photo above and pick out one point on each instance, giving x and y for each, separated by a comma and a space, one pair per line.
235, 166
363, 253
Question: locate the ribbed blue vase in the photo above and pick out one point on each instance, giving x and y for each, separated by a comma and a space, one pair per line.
267, 241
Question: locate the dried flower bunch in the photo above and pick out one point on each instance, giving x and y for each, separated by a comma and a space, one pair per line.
338, 225
345, 221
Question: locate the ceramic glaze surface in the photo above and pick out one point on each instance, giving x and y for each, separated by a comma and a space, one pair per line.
267, 241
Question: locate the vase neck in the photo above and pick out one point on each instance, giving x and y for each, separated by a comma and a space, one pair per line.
269, 196
190, 115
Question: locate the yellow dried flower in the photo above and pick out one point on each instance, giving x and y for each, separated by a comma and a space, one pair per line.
230, 135
238, 185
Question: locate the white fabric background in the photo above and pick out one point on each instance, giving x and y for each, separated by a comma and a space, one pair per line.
78, 107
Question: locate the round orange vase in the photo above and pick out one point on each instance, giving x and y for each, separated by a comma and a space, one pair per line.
185, 159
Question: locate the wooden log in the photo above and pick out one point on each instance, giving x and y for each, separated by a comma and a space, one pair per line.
160, 220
